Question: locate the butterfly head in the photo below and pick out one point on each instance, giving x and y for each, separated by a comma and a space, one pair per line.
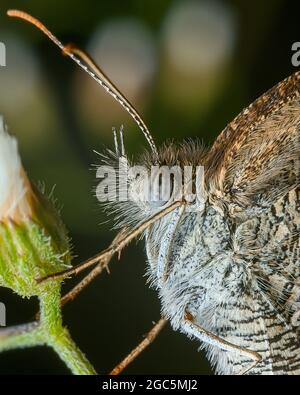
136, 190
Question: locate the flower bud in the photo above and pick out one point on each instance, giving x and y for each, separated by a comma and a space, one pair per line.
34, 241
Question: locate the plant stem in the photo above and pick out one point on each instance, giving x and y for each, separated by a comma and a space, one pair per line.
31, 338
49, 331
71, 354
58, 337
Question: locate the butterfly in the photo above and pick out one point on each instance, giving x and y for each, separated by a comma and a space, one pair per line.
227, 272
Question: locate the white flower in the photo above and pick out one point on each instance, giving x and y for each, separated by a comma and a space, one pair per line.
15, 189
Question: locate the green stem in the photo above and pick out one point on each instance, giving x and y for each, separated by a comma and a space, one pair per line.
49, 331
58, 337
22, 340
71, 354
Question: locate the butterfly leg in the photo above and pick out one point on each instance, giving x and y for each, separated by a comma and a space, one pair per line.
71, 295
114, 248
148, 339
191, 328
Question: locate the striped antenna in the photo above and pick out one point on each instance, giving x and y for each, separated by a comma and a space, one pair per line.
89, 66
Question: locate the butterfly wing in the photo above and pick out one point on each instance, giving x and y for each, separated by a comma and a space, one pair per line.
253, 174
255, 160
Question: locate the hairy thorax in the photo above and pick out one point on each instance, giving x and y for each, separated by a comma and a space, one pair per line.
213, 269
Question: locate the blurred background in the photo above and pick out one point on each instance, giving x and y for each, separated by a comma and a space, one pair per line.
189, 67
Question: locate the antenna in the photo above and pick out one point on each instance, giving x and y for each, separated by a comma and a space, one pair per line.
89, 66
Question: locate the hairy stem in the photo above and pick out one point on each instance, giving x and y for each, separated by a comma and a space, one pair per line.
58, 337
13, 340
49, 331
71, 354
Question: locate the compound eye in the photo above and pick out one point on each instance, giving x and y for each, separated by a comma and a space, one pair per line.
161, 190
156, 188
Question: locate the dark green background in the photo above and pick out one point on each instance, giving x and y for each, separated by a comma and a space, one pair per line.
110, 317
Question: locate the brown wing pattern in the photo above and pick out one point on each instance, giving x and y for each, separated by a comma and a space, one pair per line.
255, 160
253, 173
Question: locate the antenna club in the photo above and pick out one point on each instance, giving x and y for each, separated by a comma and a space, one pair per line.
22, 15
35, 22
89, 66
12, 12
